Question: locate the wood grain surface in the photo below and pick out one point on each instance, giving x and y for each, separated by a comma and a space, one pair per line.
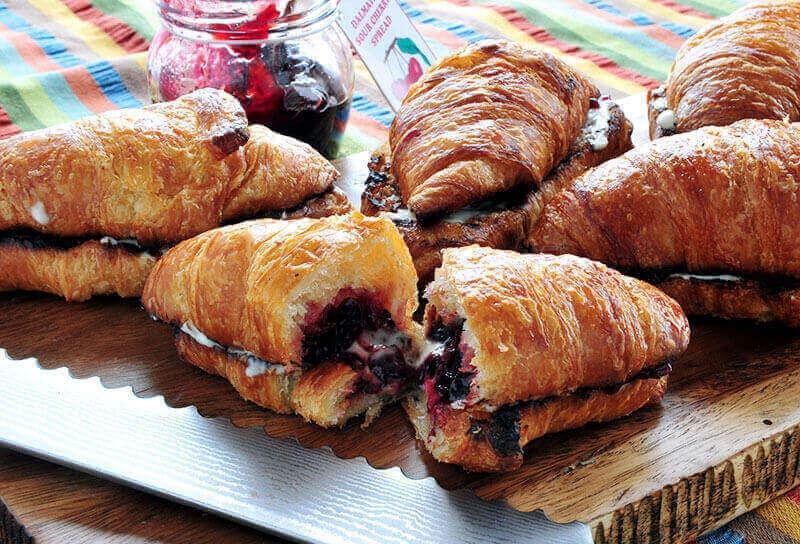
59, 505
725, 439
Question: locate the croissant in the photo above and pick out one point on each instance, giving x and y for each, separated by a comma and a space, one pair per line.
312, 316
498, 220
90, 191
710, 216
485, 119
744, 66
524, 345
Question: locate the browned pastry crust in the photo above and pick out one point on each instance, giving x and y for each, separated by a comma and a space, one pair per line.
158, 174
261, 288
76, 273
536, 335
717, 200
464, 437
331, 202
502, 224
281, 173
744, 66
483, 120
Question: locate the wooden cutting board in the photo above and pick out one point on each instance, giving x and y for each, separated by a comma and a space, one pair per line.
725, 440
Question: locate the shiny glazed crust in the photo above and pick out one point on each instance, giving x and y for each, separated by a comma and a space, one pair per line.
544, 325
502, 229
714, 200
77, 273
746, 65
159, 174
483, 120
455, 440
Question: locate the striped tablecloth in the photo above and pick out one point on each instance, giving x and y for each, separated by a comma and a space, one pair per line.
63, 59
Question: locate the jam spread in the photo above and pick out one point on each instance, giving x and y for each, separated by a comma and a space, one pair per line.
355, 329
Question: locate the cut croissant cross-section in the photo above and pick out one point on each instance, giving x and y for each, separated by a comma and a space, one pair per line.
312, 316
519, 346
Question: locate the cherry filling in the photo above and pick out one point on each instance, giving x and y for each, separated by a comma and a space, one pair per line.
446, 378
357, 330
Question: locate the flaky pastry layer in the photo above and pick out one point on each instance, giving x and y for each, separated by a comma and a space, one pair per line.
159, 174
76, 273
501, 228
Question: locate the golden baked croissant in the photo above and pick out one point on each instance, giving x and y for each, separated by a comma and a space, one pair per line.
710, 216
93, 194
483, 120
744, 66
524, 345
501, 221
312, 316
496, 219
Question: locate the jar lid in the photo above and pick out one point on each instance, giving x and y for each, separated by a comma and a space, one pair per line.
244, 21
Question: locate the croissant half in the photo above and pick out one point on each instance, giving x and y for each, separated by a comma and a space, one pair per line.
312, 316
485, 119
711, 216
148, 177
523, 345
744, 66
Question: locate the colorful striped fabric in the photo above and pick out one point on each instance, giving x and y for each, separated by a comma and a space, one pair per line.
64, 59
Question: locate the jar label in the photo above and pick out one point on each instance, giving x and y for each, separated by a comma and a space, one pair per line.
394, 52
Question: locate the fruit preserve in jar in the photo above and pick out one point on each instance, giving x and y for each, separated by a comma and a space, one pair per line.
285, 60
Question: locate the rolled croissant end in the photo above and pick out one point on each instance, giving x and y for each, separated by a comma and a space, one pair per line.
280, 173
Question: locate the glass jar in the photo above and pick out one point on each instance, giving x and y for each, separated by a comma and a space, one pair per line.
285, 60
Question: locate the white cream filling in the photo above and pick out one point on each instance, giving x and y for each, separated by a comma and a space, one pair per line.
39, 213
429, 347
401, 214
133, 244
255, 365
659, 103
706, 277
598, 124
198, 336
666, 120
464, 215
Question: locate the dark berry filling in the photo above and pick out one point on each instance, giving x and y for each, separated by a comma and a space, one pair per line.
446, 377
356, 329
502, 431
